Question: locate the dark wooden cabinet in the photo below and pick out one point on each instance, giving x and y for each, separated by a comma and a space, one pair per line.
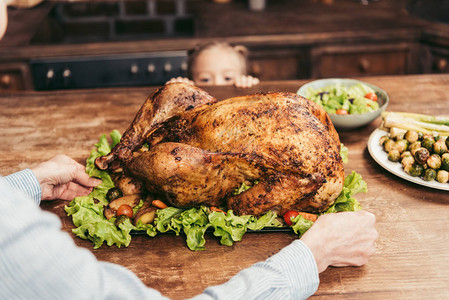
291, 40
283, 63
439, 60
15, 77
363, 60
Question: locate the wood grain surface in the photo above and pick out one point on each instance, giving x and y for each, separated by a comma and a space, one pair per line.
412, 257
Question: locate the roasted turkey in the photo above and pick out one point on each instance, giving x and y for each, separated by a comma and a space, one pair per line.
200, 150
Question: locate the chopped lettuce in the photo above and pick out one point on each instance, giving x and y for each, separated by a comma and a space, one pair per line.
338, 96
87, 212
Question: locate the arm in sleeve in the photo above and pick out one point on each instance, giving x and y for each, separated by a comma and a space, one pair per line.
26, 182
39, 261
290, 274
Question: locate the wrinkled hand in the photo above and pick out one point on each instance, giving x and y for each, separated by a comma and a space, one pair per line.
63, 178
246, 81
181, 79
342, 239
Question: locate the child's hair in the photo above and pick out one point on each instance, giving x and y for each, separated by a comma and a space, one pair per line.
240, 50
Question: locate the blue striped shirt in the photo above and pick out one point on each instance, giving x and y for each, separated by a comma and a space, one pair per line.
39, 261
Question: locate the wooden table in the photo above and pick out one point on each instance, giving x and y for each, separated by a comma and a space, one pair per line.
412, 258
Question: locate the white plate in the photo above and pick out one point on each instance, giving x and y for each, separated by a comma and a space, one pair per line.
380, 156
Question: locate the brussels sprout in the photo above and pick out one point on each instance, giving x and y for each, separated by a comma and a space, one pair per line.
389, 145
428, 136
120, 219
406, 153
113, 194
445, 162
394, 155
414, 146
415, 170
429, 174
397, 133
434, 161
428, 143
421, 155
420, 136
440, 147
411, 136
401, 145
407, 161
447, 143
442, 176
383, 139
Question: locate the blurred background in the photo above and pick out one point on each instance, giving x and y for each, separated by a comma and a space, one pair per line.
53, 45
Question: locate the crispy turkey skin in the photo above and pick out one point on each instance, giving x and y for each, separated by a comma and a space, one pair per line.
201, 150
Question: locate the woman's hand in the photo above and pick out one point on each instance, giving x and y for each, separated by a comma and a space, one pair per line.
342, 239
63, 178
246, 81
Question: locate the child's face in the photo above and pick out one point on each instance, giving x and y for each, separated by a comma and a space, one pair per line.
217, 66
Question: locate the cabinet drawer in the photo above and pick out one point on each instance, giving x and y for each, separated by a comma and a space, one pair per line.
279, 64
361, 60
14, 77
439, 60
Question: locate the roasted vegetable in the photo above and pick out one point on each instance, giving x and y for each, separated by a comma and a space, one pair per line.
428, 143
417, 122
389, 145
394, 155
416, 170
440, 147
113, 194
129, 186
442, 176
401, 145
411, 136
429, 174
445, 162
407, 161
414, 146
145, 215
434, 161
131, 200
421, 155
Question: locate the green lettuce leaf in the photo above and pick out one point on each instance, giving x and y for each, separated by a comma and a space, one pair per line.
344, 153
353, 185
87, 211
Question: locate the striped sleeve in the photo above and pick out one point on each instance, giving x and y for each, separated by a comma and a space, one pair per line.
26, 182
290, 274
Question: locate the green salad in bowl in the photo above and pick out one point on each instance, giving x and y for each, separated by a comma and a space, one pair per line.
350, 103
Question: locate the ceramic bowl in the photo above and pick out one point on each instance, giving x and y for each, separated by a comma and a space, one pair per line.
348, 122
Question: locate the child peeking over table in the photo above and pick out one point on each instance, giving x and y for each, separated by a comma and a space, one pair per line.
218, 63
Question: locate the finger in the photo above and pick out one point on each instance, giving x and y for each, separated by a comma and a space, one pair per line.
71, 191
83, 178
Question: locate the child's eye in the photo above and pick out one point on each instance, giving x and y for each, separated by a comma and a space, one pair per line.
205, 80
227, 78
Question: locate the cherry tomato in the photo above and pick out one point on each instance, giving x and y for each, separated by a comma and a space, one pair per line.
288, 216
126, 210
341, 111
371, 96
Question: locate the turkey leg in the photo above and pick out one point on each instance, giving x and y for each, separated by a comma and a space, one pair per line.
163, 104
186, 176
